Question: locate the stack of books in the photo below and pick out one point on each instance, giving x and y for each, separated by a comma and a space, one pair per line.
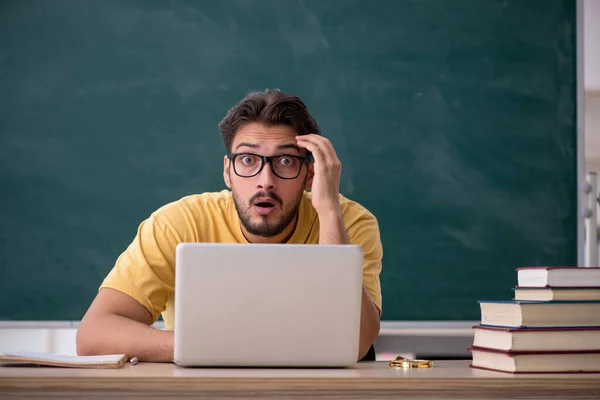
551, 325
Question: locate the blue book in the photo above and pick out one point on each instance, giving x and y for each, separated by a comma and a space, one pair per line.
540, 314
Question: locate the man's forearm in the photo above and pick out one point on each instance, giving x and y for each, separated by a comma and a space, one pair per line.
333, 231
115, 334
369, 323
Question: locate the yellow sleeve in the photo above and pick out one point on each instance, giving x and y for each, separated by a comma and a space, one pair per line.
363, 230
146, 269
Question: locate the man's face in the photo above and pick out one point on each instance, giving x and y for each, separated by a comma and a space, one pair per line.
266, 203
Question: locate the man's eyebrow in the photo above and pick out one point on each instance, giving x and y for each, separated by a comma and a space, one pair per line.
246, 144
288, 146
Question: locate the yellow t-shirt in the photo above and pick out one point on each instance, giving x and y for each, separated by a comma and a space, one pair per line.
146, 269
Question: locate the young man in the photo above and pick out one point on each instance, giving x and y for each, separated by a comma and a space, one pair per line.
275, 155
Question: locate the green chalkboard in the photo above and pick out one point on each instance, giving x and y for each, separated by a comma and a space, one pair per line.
455, 122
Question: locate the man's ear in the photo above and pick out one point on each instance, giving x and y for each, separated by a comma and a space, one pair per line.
226, 174
309, 177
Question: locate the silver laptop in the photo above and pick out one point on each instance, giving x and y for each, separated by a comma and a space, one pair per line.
269, 305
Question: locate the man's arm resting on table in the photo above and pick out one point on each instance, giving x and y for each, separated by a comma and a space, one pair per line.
117, 324
333, 231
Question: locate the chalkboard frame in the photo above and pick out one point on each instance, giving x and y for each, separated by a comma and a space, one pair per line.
580, 146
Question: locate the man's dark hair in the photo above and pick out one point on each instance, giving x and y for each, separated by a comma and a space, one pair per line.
271, 107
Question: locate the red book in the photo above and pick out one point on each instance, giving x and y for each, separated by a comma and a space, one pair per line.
582, 361
539, 314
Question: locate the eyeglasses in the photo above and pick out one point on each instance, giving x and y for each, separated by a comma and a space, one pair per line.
248, 165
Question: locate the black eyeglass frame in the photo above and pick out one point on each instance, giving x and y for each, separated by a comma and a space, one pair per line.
269, 160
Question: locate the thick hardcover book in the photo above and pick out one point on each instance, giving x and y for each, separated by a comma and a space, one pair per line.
558, 276
584, 361
537, 339
529, 313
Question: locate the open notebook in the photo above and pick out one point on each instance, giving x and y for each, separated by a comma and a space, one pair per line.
34, 359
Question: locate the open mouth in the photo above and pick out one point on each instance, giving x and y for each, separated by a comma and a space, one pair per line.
264, 206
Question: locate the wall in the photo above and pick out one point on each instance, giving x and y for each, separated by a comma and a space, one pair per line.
591, 48
591, 54
61, 341
592, 129
407, 339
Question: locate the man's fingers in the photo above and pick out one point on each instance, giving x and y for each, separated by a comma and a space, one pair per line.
323, 144
323, 161
314, 149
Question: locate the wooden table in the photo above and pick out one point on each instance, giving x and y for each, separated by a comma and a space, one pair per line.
447, 380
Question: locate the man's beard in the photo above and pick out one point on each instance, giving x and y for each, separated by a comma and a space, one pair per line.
266, 228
